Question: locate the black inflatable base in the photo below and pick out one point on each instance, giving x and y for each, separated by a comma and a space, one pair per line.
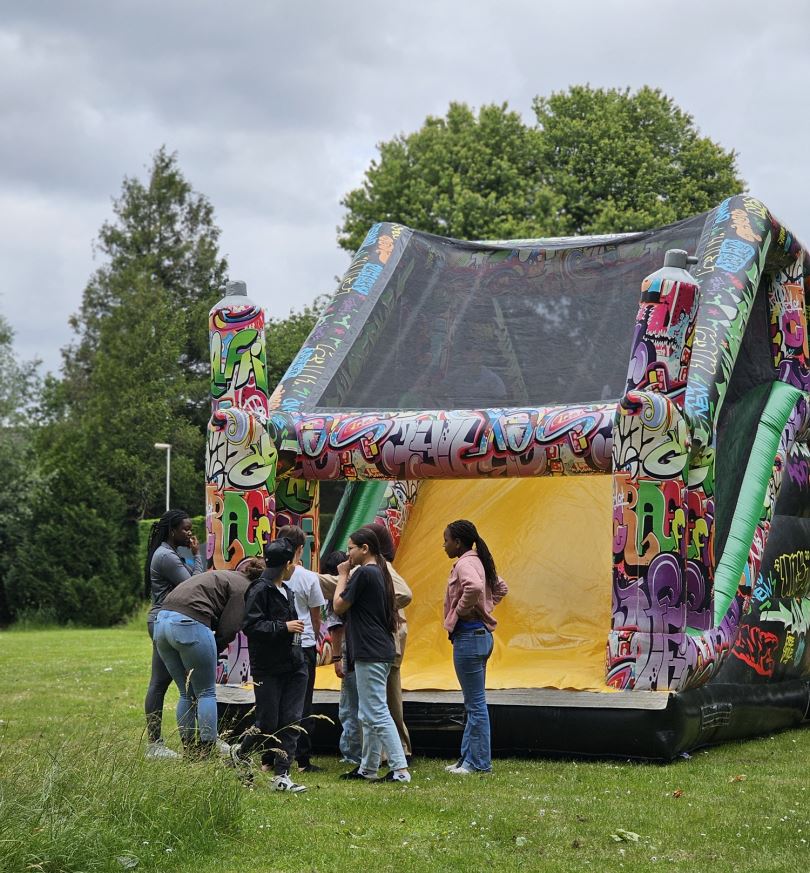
698, 717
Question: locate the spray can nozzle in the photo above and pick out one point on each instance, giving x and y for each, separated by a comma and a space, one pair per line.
678, 258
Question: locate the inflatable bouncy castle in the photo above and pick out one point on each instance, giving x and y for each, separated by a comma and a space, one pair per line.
624, 418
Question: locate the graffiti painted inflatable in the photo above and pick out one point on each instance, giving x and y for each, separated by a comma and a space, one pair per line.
640, 469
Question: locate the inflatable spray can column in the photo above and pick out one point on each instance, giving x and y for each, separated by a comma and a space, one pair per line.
665, 329
240, 461
652, 512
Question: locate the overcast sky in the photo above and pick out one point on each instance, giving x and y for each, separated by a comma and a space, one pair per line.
275, 109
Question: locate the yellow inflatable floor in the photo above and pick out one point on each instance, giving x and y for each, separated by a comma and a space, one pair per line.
551, 539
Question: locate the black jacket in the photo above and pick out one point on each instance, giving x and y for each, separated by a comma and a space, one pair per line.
268, 608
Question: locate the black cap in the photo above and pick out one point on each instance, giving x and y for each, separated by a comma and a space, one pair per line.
279, 552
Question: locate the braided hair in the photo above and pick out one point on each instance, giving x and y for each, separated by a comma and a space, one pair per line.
365, 536
158, 533
465, 532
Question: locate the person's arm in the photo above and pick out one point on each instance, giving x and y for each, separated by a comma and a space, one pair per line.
199, 563
315, 600
472, 585
499, 591
344, 590
168, 566
337, 633
231, 620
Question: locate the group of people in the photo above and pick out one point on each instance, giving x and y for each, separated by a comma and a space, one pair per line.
277, 603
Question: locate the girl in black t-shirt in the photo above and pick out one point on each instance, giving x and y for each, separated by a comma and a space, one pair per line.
367, 600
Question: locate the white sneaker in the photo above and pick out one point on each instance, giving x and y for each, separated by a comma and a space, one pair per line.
450, 767
284, 783
223, 748
159, 749
461, 770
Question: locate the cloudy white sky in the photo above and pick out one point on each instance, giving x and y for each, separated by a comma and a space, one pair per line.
275, 108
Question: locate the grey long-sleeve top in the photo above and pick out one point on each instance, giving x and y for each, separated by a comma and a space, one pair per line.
166, 572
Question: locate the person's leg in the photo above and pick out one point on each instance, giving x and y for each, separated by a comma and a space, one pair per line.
165, 643
376, 719
470, 653
159, 681
198, 650
351, 737
393, 694
291, 705
267, 689
304, 748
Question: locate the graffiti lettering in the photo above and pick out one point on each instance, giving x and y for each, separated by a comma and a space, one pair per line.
757, 648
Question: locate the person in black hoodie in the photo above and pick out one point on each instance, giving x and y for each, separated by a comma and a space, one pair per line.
277, 663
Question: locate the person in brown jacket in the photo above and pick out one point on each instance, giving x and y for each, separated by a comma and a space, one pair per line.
403, 597
196, 621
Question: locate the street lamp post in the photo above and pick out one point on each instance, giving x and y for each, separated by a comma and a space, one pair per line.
168, 448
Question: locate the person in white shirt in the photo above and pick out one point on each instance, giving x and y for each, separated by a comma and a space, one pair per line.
308, 602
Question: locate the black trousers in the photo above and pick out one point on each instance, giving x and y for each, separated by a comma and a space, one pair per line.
159, 682
279, 704
304, 749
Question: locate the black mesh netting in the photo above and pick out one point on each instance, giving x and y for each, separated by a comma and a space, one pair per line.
467, 325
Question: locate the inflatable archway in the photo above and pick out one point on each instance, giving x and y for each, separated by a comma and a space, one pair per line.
640, 469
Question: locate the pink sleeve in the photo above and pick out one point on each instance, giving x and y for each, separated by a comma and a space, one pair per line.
499, 591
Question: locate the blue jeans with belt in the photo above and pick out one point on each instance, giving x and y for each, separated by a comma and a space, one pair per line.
471, 651
189, 652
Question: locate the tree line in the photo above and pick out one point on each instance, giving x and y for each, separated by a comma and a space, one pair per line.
77, 447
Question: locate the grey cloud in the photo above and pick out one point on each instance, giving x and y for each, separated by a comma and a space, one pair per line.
275, 109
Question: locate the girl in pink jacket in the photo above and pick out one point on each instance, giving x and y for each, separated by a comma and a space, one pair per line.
473, 590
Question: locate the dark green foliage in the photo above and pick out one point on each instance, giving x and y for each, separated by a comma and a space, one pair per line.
466, 176
83, 581
137, 373
19, 392
598, 160
623, 162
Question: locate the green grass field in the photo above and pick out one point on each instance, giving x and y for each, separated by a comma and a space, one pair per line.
77, 795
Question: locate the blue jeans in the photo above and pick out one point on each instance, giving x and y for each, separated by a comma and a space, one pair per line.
379, 730
351, 737
189, 652
471, 651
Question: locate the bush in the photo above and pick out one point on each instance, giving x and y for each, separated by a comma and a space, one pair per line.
79, 566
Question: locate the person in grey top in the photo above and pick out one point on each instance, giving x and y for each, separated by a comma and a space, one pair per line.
164, 571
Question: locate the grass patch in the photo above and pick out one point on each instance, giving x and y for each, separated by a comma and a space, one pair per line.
76, 794
93, 803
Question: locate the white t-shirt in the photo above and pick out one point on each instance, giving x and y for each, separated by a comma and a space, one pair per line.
305, 586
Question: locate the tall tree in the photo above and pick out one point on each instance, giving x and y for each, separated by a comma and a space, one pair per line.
465, 175
19, 391
597, 160
623, 161
136, 374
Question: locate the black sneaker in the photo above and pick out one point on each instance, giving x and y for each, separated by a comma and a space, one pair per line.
309, 767
356, 774
393, 776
